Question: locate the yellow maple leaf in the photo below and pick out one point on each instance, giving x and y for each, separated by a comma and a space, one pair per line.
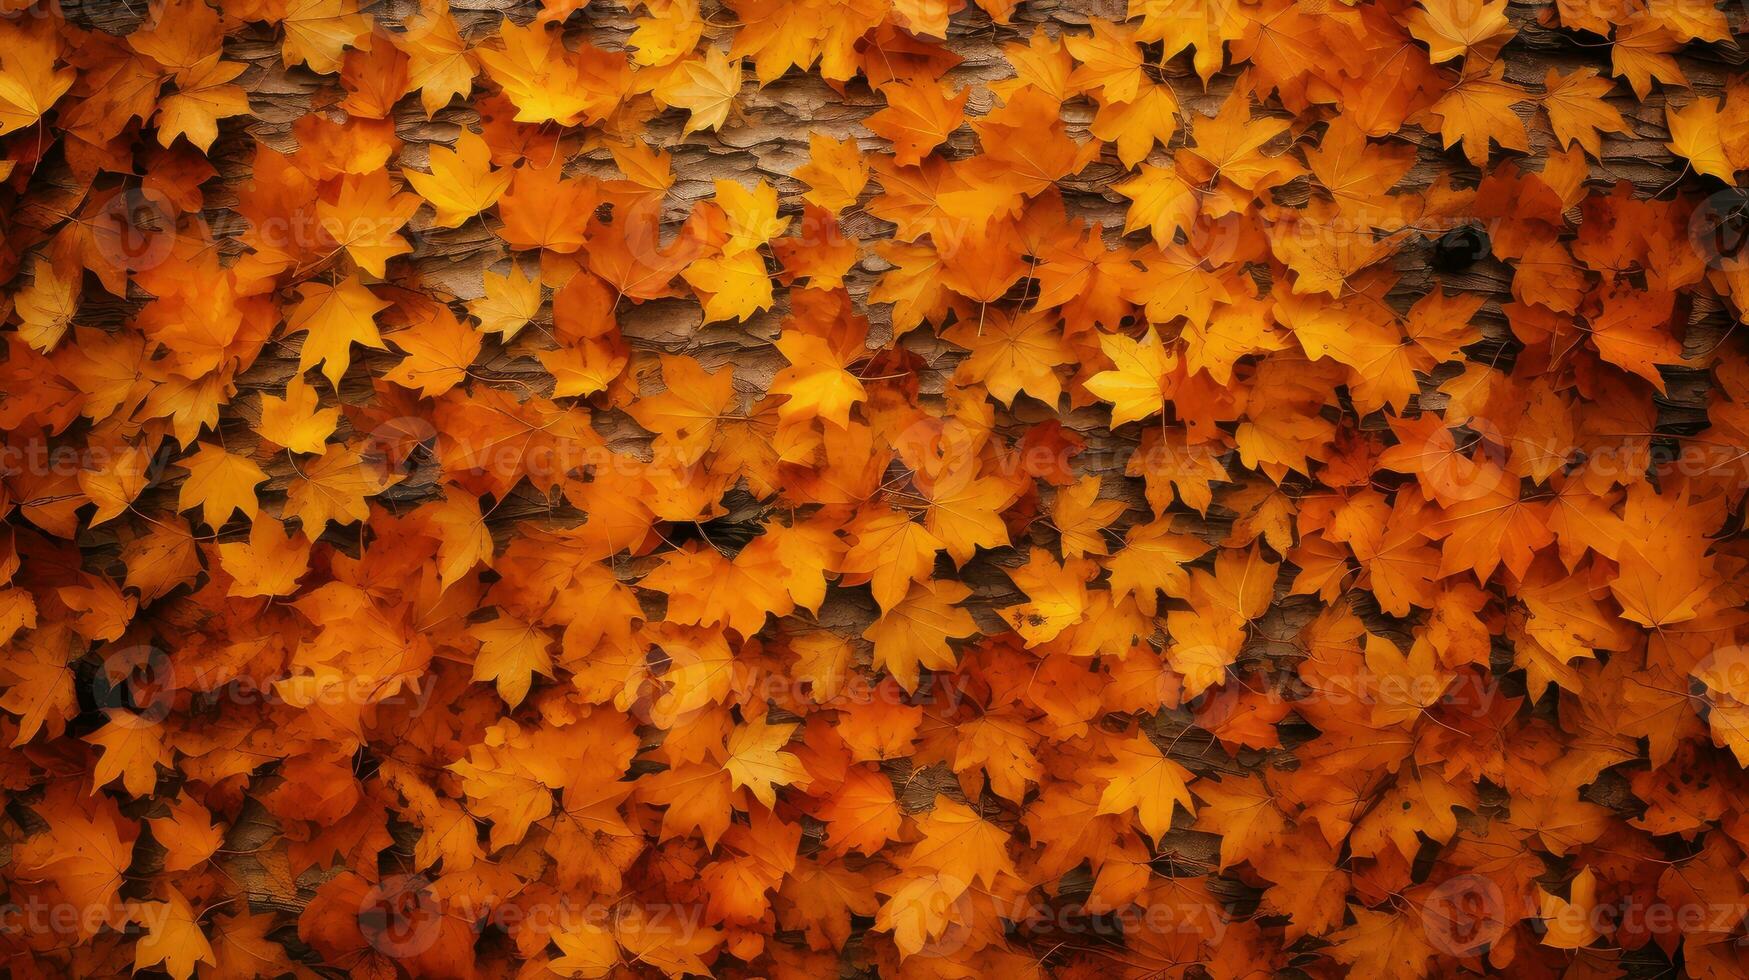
204, 95
439, 350
462, 181
1696, 135
1144, 780
705, 87
132, 750
732, 287
511, 653
47, 306
173, 940
1140, 380
219, 483
294, 420
269, 563
30, 84
333, 487
915, 633
1461, 28
365, 218
835, 173
317, 32
816, 382
335, 316
757, 760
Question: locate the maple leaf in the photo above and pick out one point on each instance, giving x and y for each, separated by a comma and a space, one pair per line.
240, 946
269, 563
1324, 254
317, 31
914, 633
732, 287
751, 216
1056, 593
706, 87
220, 483
464, 540
965, 512
40, 688
1204, 644
160, 559
1383, 944
1081, 517
1109, 60
544, 209
835, 173
204, 95
439, 350
1407, 683
587, 951
1655, 595
1461, 28
511, 795
920, 908
862, 814
365, 219
817, 382
1144, 780
1355, 171
84, 849
1013, 354
665, 945
685, 414
1632, 331
890, 551
1695, 135
462, 182
1161, 200
757, 761
334, 486
1141, 379
510, 301
1152, 562
294, 421
334, 317
173, 939
1577, 111
1641, 53
1246, 810
549, 82
1135, 125
30, 84
1308, 882
46, 308
131, 751
188, 834
439, 63
1478, 109
958, 843
511, 653
1568, 921
917, 119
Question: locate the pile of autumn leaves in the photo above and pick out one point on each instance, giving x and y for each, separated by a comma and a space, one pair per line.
1227, 601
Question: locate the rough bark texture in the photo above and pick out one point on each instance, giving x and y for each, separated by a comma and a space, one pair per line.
768, 138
